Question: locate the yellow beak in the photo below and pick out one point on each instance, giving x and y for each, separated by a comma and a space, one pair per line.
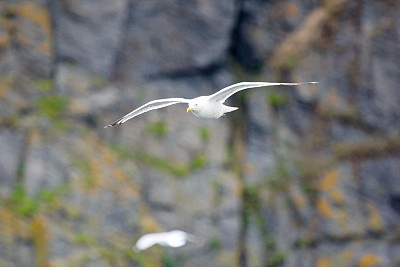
189, 109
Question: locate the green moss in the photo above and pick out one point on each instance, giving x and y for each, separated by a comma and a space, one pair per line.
52, 106
85, 239
162, 164
292, 62
89, 179
204, 134
276, 259
168, 261
278, 179
166, 165
277, 100
157, 128
109, 255
214, 243
250, 197
98, 81
44, 85
23, 204
305, 243
139, 258
51, 196
198, 162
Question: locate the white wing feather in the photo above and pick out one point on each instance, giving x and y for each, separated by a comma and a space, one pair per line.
155, 104
226, 92
147, 241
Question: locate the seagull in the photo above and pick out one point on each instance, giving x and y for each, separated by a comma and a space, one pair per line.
210, 106
174, 238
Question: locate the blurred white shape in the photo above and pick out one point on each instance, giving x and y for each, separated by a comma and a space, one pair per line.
174, 238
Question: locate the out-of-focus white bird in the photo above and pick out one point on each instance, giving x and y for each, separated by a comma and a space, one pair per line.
211, 106
174, 238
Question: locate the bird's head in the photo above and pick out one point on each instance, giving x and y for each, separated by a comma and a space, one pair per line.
191, 107
195, 104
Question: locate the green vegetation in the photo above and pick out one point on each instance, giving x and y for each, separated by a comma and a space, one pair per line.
204, 134
98, 81
292, 62
89, 176
162, 164
53, 106
157, 128
44, 85
214, 243
278, 179
277, 100
51, 196
174, 168
304, 243
276, 259
25, 205
198, 162
108, 254
167, 260
85, 239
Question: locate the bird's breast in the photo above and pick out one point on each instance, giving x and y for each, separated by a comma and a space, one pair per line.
209, 111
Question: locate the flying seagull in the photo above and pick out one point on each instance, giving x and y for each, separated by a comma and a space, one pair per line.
210, 106
174, 238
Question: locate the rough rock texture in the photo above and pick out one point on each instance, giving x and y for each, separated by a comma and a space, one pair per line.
305, 176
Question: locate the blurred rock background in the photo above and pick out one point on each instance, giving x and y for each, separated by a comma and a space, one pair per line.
305, 176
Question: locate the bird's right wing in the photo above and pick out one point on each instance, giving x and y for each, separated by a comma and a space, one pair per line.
155, 104
226, 92
146, 241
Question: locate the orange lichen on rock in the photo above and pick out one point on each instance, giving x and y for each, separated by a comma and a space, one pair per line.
369, 260
374, 217
292, 10
39, 238
324, 208
4, 39
337, 196
39, 16
322, 262
329, 181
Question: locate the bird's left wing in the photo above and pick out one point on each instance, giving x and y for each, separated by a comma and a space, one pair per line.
223, 94
155, 104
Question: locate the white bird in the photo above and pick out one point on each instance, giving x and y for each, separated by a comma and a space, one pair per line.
174, 238
211, 106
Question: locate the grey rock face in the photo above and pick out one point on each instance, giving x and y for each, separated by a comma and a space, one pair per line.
89, 33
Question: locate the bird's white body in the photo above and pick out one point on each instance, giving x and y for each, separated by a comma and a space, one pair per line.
174, 238
202, 107
210, 107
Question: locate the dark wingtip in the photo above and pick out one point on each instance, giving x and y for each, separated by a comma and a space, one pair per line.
112, 124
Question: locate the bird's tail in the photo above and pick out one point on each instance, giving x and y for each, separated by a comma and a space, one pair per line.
229, 109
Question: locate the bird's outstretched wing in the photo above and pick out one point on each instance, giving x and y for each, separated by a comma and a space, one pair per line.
146, 241
223, 94
155, 104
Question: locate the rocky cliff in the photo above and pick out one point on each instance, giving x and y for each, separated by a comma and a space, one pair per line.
305, 176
